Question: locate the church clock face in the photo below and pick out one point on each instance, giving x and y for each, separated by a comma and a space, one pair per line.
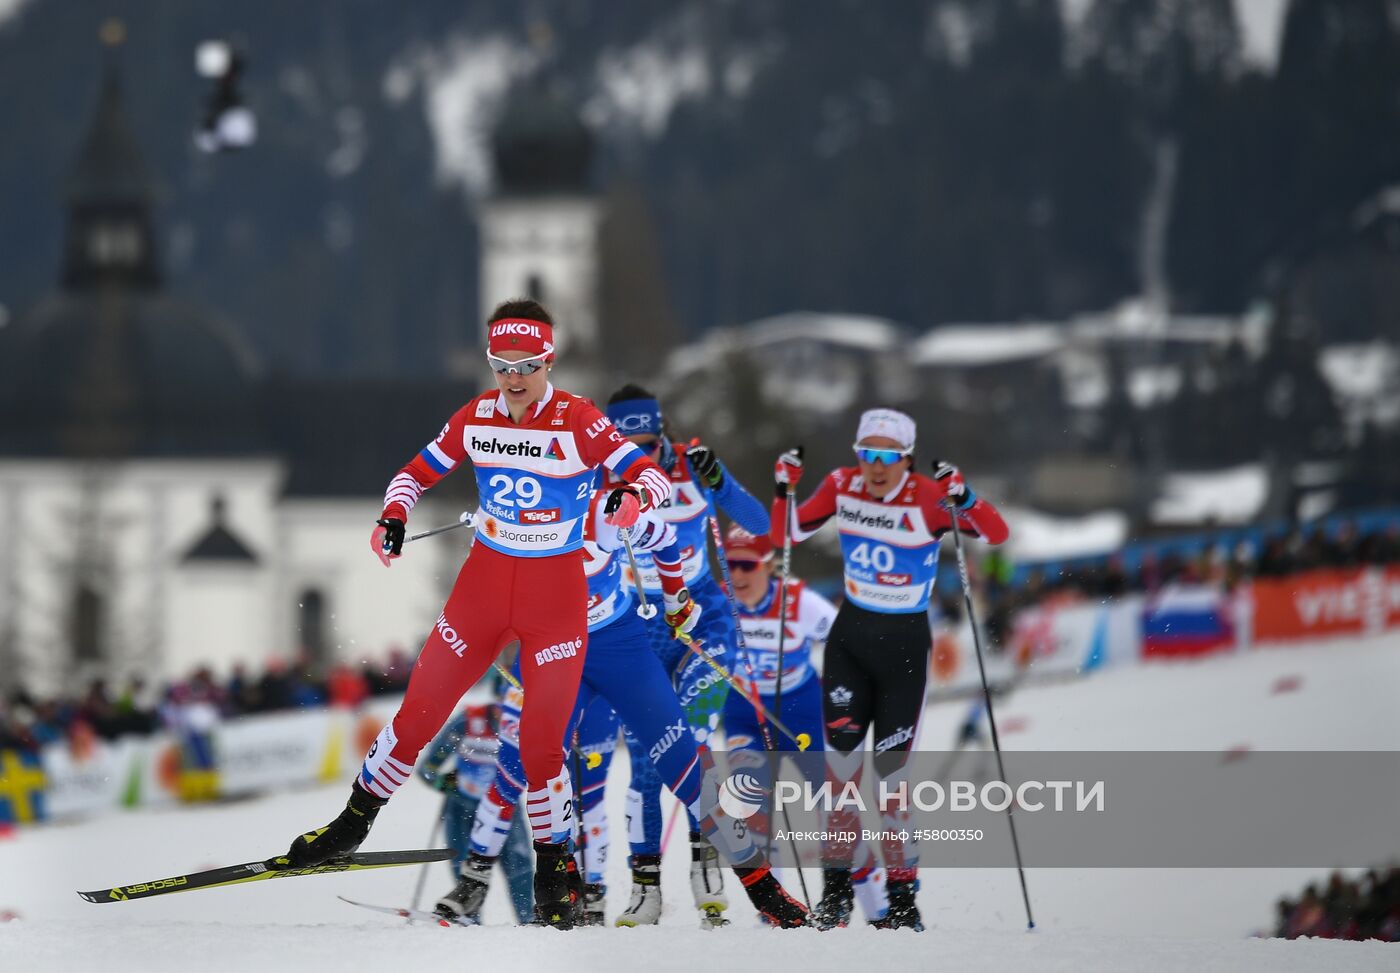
115, 244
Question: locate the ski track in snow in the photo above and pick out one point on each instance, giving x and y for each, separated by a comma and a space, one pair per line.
1138, 919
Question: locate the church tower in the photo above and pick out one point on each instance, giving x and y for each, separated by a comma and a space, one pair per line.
539, 230
111, 234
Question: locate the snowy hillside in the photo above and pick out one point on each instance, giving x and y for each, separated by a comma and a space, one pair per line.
974, 161
1117, 919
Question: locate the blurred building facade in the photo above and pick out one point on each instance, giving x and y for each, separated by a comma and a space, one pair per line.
169, 503
165, 503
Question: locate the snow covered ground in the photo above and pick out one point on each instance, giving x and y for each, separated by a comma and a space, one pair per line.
1139, 919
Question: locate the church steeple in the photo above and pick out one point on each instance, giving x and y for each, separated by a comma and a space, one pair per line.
539, 230
111, 237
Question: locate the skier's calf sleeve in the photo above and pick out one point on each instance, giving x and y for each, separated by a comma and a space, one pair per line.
636, 824
491, 826
731, 837
596, 844
896, 820
381, 774
869, 886
550, 807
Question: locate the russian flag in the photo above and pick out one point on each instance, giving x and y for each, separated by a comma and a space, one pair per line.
437, 460
1186, 621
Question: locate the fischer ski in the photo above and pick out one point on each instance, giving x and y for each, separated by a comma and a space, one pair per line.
279, 867
413, 915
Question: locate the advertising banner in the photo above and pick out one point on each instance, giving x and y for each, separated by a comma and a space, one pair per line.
1356, 601
265, 752
92, 777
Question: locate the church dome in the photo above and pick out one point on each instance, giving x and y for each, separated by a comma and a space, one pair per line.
113, 373
110, 365
540, 145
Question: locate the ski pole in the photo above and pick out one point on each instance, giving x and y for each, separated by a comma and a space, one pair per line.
987, 695
468, 519
670, 826
644, 608
802, 740
592, 760
695, 645
768, 743
582, 840
423, 872
782, 594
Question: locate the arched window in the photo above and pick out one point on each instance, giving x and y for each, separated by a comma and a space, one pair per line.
311, 625
87, 624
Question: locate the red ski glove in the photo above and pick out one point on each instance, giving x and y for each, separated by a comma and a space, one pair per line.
622, 508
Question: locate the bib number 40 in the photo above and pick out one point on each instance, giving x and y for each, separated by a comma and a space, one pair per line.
873, 557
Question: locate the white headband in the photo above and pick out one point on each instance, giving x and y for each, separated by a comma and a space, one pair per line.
886, 423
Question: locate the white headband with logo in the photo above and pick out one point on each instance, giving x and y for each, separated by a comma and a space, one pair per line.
887, 423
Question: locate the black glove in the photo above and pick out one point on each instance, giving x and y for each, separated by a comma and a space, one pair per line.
393, 535
706, 464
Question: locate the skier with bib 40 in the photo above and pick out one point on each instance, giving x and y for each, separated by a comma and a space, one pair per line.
890, 520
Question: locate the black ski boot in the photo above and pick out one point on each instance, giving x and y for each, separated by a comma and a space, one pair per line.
904, 913
770, 898
463, 903
555, 902
343, 835
575, 878
838, 900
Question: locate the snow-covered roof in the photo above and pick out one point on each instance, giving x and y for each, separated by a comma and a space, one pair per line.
1140, 320
860, 331
1229, 496
971, 345
1037, 536
1360, 371
856, 332
985, 344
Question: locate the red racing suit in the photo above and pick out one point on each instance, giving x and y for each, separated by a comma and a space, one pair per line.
523, 580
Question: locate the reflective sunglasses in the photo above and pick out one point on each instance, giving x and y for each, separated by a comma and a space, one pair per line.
526, 366
742, 565
887, 456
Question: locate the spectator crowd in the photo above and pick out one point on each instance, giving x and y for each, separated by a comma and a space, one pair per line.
27, 722
1368, 908
1225, 561
139, 708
